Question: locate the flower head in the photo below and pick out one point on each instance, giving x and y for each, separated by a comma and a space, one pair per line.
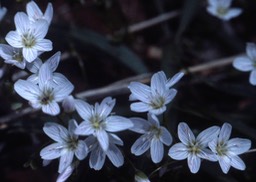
248, 62
66, 144
12, 56
227, 150
153, 99
98, 122
153, 138
34, 13
193, 148
222, 10
47, 93
98, 155
29, 36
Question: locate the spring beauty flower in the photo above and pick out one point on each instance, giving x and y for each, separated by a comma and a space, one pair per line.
47, 93
247, 63
193, 148
222, 10
155, 97
227, 150
154, 137
98, 154
99, 122
34, 12
12, 56
29, 36
66, 146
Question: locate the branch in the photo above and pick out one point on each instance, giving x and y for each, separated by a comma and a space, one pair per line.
120, 87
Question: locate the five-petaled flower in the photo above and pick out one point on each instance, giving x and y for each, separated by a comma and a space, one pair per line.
154, 136
222, 10
227, 150
29, 36
193, 148
47, 93
153, 98
248, 62
67, 144
97, 121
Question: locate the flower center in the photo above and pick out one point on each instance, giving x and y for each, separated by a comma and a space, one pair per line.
221, 149
194, 148
72, 143
222, 11
17, 56
47, 97
28, 40
96, 121
157, 102
155, 130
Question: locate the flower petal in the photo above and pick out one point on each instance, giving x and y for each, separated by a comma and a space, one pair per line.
30, 54
140, 107
207, 135
51, 108
115, 155
141, 145
52, 151
243, 64
97, 158
156, 150
174, 79
105, 107
194, 163
27, 90
165, 136
65, 160
33, 11
225, 132
140, 91
103, 139
224, 162
117, 123
238, 145
85, 128
21, 23
43, 45
251, 50
178, 151
252, 78
81, 150
185, 134
56, 132
48, 13
237, 163
14, 39
83, 109
54, 61
140, 125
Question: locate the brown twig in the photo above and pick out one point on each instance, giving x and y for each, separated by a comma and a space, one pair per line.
120, 87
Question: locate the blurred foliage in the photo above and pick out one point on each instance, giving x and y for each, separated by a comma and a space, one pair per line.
95, 54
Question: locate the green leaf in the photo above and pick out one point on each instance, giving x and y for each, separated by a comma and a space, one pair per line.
118, 51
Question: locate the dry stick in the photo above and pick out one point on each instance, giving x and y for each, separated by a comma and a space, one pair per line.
151, 22
121, 87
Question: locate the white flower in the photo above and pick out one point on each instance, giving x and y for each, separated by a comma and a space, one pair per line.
66, 146
34, 13
154, 136
248, 62
98, 155
12, 56
53, 63
193, 148
227, 151
46, 94
3, 11
153, 99
222, 10
97, 121
68, 104
29, 36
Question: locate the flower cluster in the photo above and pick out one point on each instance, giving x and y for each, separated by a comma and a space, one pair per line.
96, 135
